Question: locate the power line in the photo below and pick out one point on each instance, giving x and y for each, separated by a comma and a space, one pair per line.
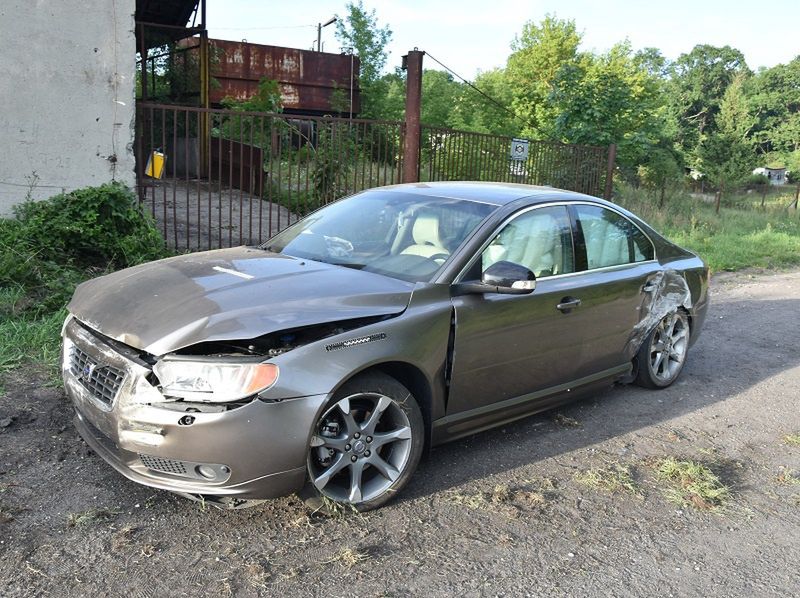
484, 94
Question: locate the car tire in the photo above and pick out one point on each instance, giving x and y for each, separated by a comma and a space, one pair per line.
365, 445
663, 353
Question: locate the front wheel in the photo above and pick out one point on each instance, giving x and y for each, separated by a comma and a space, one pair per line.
663, 353
367, 443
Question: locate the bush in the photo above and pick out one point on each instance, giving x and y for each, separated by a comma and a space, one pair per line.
757, 181
96, 226
50, 246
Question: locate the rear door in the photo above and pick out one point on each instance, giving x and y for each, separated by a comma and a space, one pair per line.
617, 260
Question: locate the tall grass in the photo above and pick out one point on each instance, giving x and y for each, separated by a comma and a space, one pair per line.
742, 235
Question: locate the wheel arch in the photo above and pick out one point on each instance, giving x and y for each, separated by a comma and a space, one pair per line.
414, 379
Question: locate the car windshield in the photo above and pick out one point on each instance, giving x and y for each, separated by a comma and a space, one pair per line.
401, 235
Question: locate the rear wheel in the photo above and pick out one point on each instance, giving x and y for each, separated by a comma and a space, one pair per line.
366, 444
663, 353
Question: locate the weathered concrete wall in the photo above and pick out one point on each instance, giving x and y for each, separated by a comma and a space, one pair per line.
67, 77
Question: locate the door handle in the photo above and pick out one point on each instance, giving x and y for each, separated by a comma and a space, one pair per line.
568, 304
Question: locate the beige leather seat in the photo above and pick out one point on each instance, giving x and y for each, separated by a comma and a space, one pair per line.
427, 237
606, 244
532, 242
540, 250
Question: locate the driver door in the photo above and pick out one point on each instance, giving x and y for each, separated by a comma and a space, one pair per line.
506, 346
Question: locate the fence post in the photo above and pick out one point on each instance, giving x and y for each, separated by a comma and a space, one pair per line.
412, 120
204, 134
612, 159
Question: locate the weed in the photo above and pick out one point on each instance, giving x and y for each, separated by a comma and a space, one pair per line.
147, 550
501, 499
349, 558
693, 484
792, 439
324, 506
565, 421
788, 478
122, 538
90, 516
257, 574
32, 339
6, 514
614, 478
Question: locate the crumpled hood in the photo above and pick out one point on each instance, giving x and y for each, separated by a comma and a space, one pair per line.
229, 294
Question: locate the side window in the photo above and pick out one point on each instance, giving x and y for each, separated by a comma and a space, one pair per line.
540, 240
611, 239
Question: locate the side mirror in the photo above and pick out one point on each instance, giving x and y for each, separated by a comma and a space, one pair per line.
505, 278
505, 274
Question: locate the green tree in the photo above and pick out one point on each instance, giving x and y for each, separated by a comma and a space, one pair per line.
360, 31
726, 156
605, 99
439, 93
538, 54
660, 173
473, 111
774, 99
698, 81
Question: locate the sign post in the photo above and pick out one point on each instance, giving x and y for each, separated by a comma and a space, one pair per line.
519, 149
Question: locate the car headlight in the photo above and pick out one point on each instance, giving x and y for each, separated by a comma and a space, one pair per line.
213, 381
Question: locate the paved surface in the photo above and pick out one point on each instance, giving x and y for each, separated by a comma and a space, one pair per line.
498, 514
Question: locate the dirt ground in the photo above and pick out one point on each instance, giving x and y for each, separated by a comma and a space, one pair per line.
193, 215
503, 513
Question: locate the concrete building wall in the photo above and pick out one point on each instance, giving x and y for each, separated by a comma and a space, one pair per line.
67, 84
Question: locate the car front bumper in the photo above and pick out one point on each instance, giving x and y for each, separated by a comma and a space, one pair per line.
256, 450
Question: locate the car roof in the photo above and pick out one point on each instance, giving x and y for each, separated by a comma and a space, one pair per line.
497, 194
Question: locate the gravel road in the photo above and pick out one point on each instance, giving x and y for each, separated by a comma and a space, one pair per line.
505, 513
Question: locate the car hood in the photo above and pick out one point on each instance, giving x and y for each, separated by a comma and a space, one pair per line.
229, 294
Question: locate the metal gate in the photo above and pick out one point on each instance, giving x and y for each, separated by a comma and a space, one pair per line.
232, 178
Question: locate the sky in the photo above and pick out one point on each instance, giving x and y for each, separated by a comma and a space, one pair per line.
471, 36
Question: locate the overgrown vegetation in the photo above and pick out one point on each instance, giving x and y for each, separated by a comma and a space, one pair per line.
793, 439
49, 247
693, 484
91, 516
742, 235
613, 478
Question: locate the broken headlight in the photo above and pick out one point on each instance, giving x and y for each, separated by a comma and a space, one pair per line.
213, 381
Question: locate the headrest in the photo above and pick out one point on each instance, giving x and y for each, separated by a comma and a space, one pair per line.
426, 230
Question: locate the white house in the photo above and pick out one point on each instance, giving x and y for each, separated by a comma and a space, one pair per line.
776, 176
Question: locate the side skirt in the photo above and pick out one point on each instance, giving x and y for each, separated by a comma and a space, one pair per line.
482, 418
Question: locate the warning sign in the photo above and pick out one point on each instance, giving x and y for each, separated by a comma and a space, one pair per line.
519, 149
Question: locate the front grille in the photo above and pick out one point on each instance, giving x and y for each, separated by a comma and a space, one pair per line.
164, 465
102, 381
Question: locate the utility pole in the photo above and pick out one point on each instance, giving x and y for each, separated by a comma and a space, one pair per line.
413, 66
330, 21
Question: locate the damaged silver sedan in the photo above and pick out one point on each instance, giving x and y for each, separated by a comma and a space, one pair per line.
330, 358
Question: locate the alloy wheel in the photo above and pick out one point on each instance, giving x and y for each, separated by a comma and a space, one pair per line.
360, 447
668, 347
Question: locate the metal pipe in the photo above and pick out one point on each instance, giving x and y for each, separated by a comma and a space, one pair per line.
413, 104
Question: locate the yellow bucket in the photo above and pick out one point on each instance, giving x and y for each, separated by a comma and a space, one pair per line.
155, 165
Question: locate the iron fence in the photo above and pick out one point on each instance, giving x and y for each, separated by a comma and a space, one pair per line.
232, 178
449, 155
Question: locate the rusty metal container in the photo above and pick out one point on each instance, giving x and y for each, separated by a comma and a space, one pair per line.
307, 79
